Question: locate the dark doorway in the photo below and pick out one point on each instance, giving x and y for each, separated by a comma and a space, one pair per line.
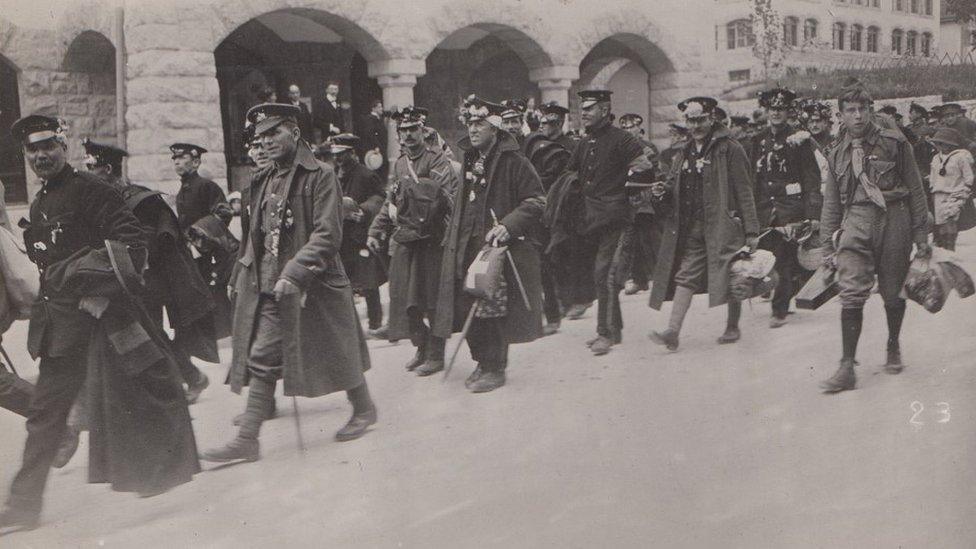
12, 172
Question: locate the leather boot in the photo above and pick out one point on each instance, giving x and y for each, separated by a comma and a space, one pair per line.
69, 445
731, 335
272, 412
245, 447
430, 367
419, 358
842, 380
668, 338
193, 390
475, 375
19, 519
357, 425
489, 381
893, 363
601, 346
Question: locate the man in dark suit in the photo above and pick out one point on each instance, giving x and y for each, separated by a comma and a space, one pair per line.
328, 116
372, 128
304, 115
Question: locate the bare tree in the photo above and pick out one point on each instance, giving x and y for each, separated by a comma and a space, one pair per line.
769, 48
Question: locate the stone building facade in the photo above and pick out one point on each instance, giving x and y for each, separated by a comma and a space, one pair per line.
170, 88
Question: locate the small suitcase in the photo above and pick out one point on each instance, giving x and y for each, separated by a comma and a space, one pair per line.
821, 288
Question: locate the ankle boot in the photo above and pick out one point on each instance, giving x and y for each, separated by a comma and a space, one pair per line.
893, 363
843, 379
245, 447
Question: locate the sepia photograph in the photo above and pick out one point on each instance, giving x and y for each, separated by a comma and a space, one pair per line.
472, 274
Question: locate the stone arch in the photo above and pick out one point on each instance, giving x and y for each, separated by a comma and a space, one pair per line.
83, 90
636, 66
529, 48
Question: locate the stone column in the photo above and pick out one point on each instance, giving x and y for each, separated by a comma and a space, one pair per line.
172, 96
554, 82
397, 77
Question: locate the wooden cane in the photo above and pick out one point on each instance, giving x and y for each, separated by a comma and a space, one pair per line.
464, 334
298, 426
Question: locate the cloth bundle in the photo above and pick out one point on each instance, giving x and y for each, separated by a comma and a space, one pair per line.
931, 280
485, 280
752, 275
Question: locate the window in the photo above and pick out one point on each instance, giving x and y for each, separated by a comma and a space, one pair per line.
914, 6
928, 7
875, 3
872, 45
910, 41
739, 76
926, 44
791, 31
739, 34
812, 70
897, 5
857, 33
896, 41
809, 30
840, 31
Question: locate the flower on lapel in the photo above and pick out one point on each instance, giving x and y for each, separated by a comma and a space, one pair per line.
289, 221
701, 163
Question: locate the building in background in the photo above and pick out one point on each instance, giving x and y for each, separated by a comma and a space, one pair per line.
820, 34
958, 36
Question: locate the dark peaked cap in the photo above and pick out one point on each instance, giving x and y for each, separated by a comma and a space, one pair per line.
267, 116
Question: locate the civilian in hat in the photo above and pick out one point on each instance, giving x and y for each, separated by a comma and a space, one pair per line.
141, 440
328, 118
951, 184
787, 192
412, 223
712, 220
294, 316
954, 116
364, 192
499, 202
603, 160
875, 198
372, 129
513, 119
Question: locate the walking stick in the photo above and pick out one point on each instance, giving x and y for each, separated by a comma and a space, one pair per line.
9, 362
298, 426
464, 334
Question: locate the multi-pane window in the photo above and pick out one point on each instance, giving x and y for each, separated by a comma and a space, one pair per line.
739, 34
840, 32
898, 5
896, 36
915, 6
928, 7
872, 39
926, 44
911, 40
809, 30
739, 76
857, 34
791, 31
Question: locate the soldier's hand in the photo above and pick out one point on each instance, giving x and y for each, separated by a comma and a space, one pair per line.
284, 287
94, 306
499, 233
830, 258
357, 216
923, 250
752, 242
374, 245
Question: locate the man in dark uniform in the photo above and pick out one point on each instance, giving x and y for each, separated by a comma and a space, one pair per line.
875, 198
198, 198
413, 225
739, 128
363, 194
82, 311
642, 247
294, 315
500, 202
553, 123
920, 127
819, 122
513, 118
602, 161
787, 193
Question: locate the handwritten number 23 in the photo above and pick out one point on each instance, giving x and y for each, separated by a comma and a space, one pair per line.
944, 413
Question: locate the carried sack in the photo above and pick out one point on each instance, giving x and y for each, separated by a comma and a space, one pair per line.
752, 275
931, 280
421, 208
485, 280
20, 276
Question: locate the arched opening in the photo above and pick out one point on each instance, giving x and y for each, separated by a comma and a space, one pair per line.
630, 66
304, 47
86, 92
487, 59
12, 170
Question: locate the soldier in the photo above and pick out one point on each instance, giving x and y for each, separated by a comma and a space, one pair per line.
552, 124
819, 122
499, 202
678, 136
603, 160
712, 220
363, 194
875, 198
513, 119
787, 192
90, 250
739, 128
643, 235
920, 127
413, 220
198, 198
294, 316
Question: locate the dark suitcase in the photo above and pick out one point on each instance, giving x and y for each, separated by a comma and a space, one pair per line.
821, 288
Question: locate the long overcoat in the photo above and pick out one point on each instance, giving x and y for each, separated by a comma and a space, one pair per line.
365, 188
324, 347
729, 214
515, 195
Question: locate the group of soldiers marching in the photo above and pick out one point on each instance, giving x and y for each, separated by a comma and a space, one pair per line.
528, 228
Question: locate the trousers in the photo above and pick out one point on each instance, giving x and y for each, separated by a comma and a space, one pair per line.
873, 243
599, 248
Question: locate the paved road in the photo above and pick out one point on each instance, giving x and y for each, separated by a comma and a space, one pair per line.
708, 447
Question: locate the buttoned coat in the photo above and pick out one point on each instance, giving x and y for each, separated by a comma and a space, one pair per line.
324, 349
